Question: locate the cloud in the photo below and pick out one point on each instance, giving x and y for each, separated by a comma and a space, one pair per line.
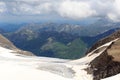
76, 9
114, 14
28, 8
2, 7
71, 9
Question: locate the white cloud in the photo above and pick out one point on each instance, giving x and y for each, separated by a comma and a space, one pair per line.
75, 9
44, 8
115, 12
31, 8
2, 7
65, 8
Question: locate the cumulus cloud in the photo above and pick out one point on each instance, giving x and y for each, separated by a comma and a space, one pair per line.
74, 9
28, 8
114, 14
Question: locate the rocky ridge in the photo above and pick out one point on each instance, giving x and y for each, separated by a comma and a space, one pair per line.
4, 42
108, 62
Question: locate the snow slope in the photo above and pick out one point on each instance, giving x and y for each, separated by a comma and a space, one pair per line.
20, 67
116, 77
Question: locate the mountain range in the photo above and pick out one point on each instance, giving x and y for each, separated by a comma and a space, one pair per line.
59, 40
49, 43
101, 62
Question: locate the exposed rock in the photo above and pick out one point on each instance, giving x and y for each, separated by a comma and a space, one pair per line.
108, 62
6, 43
9, 45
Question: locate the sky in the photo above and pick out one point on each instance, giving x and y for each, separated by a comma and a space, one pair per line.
58, 10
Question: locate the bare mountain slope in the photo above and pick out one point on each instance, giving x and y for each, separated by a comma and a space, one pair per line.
4, 42
108, 62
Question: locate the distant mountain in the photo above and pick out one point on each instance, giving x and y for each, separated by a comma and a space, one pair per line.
49, 43
10, 27
57, 40
68, 28
101, 26
94, 29
90, 40
2, 31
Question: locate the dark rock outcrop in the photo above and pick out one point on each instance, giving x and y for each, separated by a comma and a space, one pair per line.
108, 62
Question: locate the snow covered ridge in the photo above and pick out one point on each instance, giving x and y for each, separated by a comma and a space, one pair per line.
106, 64
20, 67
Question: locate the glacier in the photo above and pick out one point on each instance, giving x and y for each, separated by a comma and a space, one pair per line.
14, 66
